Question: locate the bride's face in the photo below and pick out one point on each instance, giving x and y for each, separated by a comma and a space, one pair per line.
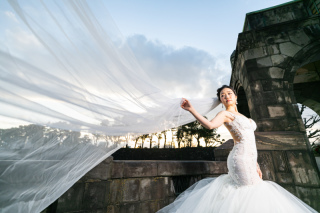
227, 97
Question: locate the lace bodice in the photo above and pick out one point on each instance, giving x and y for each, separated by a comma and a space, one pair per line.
242, 160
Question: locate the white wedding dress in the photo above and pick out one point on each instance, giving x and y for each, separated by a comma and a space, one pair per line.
241, 190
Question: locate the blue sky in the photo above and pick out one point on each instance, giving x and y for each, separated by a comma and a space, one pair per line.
185, 45
212, 26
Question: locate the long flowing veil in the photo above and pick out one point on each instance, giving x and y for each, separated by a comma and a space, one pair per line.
65, 69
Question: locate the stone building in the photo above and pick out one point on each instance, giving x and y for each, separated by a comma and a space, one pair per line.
276, 65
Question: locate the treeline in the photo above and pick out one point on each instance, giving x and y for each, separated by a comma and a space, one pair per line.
184, 135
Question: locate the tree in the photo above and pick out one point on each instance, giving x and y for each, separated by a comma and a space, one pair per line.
143, 139
165, 137
136, 141
179, 135
159, 136
150, 138
309, 122
187, 132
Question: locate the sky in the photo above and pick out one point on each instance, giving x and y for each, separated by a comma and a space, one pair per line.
184, 46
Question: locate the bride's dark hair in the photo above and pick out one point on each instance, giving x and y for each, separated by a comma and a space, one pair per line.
221, 88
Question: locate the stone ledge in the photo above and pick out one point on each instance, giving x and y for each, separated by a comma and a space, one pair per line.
148, 168
279, 140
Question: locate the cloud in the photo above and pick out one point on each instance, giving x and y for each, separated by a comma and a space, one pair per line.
11, 16
187, 72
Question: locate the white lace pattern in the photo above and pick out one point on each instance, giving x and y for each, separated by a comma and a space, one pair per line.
242, 160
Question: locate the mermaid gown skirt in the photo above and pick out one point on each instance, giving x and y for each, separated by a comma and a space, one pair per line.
241, 190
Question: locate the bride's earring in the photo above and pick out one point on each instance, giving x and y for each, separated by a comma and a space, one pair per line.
236, 101
222, 105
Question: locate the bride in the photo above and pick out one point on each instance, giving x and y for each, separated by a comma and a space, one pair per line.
242, 190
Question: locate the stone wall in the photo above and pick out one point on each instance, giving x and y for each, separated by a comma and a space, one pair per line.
133, 186
146, 186
275, 44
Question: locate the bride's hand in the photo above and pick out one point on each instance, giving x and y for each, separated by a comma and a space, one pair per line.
259, 171
186, 105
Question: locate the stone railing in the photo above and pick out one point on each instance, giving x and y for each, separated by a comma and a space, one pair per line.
134, 186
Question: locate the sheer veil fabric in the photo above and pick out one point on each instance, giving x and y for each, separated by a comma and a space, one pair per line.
64, 64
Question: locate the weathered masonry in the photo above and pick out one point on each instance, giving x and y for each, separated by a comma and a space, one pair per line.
133, 186
276, 65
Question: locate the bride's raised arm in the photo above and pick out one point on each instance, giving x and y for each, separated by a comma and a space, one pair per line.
217, 121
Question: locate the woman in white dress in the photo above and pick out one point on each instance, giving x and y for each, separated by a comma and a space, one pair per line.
242, 190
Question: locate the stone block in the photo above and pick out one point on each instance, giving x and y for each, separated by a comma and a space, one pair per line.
311, 196
273, 49
140, 169
117, 169
148, 207
280, 97
266, 165
270, 17
255, 53
292, 112
256, 21
289, 48
100, 172
161, 188
257, 98
71, 200
145, 189
279, 60
131, 190
113, 209
279, 140
251, 65
271, 85
312, 30
259, 74
276, 111
276, 72
115, 194
277, 38
262, 111
287, 97
217, 167
264, 62
280, 161
299, 37
96, 211
130, 208
284, 178
269, 97
301, 125
256, 86
266, 125
284, 14
299, 10
95, 195
181, 168
304, 172
290, 188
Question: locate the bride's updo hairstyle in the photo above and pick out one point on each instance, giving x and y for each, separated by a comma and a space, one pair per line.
221, 88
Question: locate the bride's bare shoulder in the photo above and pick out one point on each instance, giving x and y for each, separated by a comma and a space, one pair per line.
223, 114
